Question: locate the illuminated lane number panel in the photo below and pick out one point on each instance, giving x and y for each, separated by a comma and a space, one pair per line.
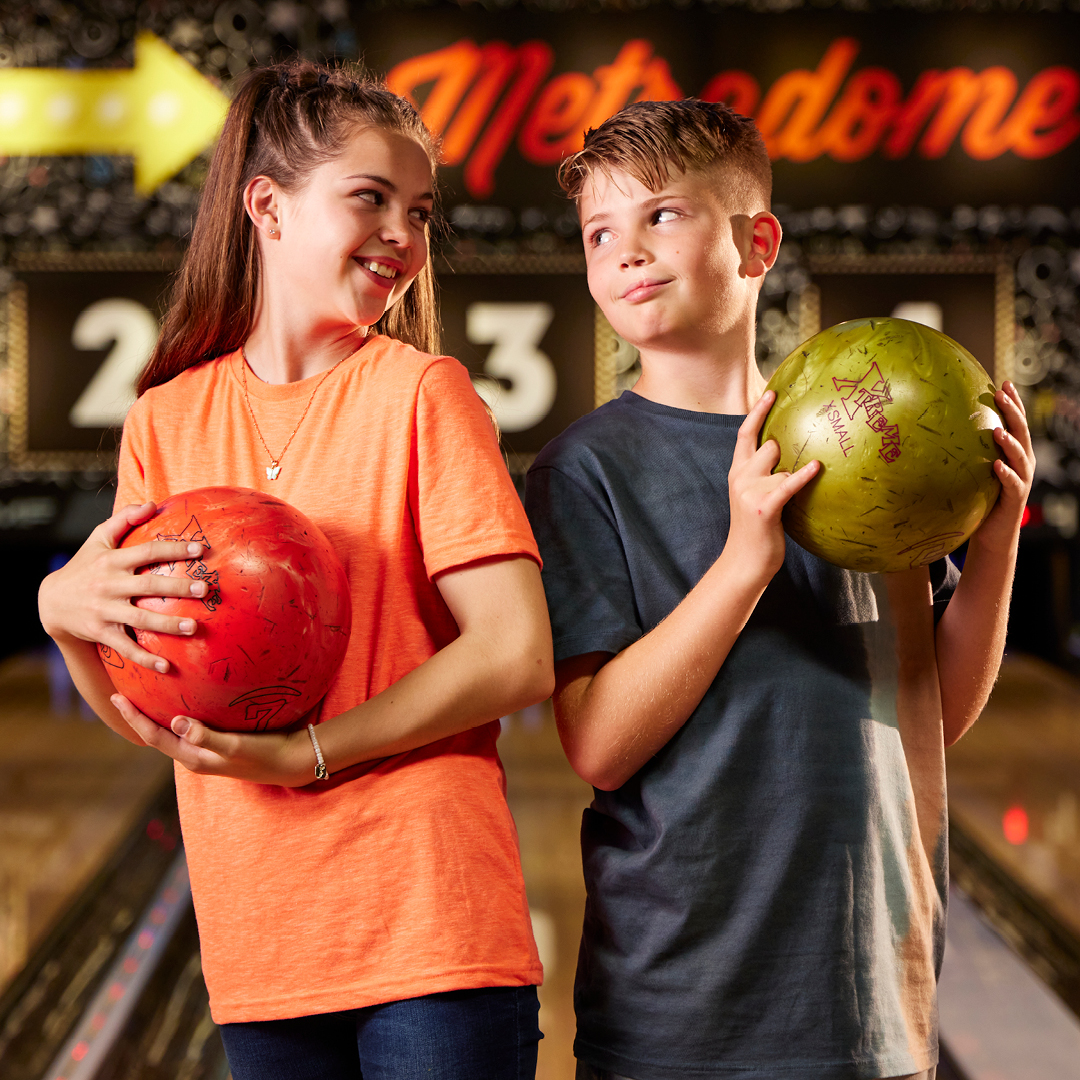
527, 340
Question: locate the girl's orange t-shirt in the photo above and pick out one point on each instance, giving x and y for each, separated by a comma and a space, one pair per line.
399, 877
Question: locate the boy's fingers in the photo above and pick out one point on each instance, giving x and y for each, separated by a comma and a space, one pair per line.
793, 482
747, 439
1013, 410
1009, 389
768, 455
1016, 425
1015, 451
1010, 479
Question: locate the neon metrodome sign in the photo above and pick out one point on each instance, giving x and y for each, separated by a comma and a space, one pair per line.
484, 99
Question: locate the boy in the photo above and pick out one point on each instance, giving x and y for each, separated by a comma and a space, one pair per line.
765, 854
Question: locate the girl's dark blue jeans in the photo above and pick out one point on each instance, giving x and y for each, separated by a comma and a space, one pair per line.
486, 1034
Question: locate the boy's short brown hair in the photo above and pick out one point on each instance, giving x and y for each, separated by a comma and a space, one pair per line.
650, 140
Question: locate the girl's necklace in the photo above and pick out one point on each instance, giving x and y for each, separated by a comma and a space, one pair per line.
274, 468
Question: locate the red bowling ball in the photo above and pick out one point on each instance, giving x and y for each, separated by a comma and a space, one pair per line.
272, 629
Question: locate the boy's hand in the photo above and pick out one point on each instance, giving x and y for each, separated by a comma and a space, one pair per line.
286, 759
999, 531
758, 495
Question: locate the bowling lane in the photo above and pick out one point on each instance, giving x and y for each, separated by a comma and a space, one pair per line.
72, 790
547, 798
50, 1011
1014, 783
69, 791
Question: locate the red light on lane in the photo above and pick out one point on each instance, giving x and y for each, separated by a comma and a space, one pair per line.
1014, 824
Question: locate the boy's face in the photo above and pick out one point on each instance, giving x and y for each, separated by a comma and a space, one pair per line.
669, 269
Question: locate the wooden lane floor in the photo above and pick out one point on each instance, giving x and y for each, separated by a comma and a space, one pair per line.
1014, 783
69, 791
547, 799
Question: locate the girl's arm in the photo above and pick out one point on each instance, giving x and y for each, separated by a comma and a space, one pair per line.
970, 636
89, 600
501, 662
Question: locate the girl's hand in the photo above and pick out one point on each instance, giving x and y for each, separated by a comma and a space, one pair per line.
89, 598
1002, 526
758, 495
286, 759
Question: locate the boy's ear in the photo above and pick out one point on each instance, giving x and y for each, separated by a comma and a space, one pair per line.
761, 243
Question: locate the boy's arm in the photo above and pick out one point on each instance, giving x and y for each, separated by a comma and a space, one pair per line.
615, 713
970, 636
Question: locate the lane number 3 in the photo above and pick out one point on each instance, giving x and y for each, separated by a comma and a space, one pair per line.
132, 330
515, 331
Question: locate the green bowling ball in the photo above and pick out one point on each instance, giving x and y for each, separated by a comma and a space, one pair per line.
901, 418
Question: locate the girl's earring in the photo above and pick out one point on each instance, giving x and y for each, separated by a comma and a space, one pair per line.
273, 232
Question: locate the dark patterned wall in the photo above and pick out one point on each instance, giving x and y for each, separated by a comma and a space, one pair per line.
88, 204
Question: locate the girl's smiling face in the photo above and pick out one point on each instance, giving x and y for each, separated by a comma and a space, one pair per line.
352, 240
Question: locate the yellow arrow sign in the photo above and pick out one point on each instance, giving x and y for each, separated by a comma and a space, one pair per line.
162, 112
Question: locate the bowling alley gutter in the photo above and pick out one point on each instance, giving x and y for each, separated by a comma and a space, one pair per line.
108, 1011
73, 1003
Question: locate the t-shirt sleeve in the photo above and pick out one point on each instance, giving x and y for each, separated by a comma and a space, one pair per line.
944, 577
462, 499
130, 473
586, 575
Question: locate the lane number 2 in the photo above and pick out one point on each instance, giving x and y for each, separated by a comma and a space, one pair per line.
132, 330
515, 331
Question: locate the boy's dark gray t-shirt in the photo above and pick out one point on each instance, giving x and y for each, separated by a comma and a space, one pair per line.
766, 895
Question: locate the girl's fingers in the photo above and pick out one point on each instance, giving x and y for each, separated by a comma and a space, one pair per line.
113, 638
154, 552
150, 732
222, 744
122, 613
140, 619
136, 585
183, 750
113, 530
200, 749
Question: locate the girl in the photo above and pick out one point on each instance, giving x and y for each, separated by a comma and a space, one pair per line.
373, 923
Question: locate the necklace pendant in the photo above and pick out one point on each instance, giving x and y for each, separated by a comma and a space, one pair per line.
272, 470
